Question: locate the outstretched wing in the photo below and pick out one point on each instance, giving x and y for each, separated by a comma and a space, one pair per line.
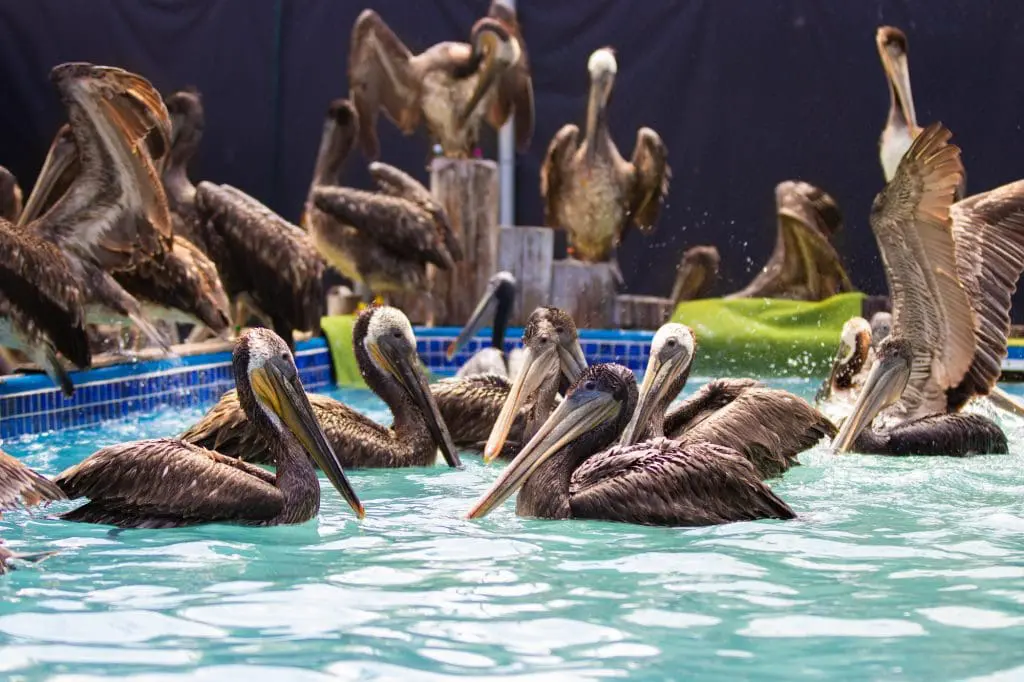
988, 230
381, 76
552, 173
651, 175
514, 92
153, 483
911, 222
662, 482
21, 485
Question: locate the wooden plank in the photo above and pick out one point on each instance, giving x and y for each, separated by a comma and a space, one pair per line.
528, 253
586, 291
642, 312
468, 190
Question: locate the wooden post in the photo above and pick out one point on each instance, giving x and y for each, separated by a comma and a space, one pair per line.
586, 291
468, 191
641, 312
528, 253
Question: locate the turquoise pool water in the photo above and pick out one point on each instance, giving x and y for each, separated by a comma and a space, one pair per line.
897, 569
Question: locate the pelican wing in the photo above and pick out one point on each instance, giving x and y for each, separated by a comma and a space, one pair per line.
988, 230
42, 292
767, 426
662, 482
651, 175
381, 76
397, 183
911, 222
514, 92
167, 482
19, 485
10, 196
470, 406
555, 169
397, 224
711, 397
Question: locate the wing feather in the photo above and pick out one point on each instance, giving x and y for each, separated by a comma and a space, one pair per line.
554, 169
21, 485
651, 175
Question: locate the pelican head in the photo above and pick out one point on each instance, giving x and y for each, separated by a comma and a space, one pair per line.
551, 346
901, 126
883, 387
495, 304
10, 196
494, 51
387, 338
593, 413
185, 108
603, 67
59, 169
672, 351
854, 346
269, 390
881, 327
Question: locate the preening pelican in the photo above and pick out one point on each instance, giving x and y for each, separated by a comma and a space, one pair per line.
589, 190
494, 306
450, 88
381, 239
696, 274
768, 426
565, 471
385, 350
165, 483
951, 270
850, 368
804, 265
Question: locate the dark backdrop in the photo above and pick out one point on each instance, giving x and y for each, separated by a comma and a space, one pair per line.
745, 94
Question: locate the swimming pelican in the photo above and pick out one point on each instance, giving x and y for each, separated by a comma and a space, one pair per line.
951, 269
20, 486
696, 274
589, 190
552, 352
385, 350
804, 265
450, 88
383, 239
768, 426
901, 124
166, 482
850, 367
496, 305
565, 472
10, 196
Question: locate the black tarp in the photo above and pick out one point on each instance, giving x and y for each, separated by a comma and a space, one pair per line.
746, 93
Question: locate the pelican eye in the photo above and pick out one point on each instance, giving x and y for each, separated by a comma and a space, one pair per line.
671, 343
590, 386
397, 334
559, 330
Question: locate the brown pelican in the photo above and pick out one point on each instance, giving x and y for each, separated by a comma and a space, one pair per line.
179, 285
881, 327
386, 353
696, 274
951, 269
850, 368
589, 190
20, 486
767, 426
552, 352
804, 265
496, 305
166, 482
566, 472
10, 196
901, 125
450, 88
383, 239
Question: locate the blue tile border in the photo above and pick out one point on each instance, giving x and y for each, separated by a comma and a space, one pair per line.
32, 404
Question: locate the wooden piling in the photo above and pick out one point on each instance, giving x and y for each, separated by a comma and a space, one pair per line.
586, 291
528, 253
642, 312
468, 190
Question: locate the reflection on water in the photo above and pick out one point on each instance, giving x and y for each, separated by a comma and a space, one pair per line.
896, 568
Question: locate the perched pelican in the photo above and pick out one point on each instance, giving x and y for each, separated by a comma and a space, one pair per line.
951, 269
696, 274
20, 486
179, 285
386, 352
166, 482
850, 367
10, 196
767, 426
383, 239
589, 190
450, 88
565, 471
552, 352
901, 125
804, 265
496, 305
